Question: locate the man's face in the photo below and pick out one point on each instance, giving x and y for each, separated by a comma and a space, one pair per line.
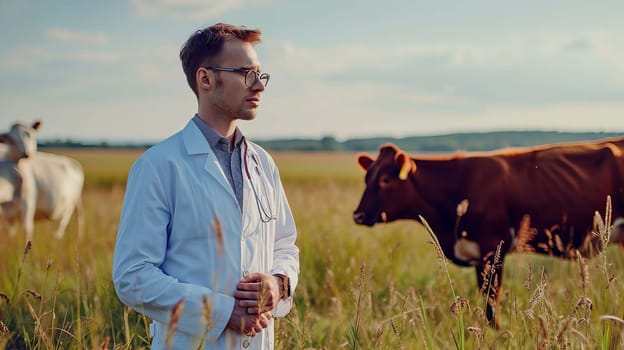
231, 96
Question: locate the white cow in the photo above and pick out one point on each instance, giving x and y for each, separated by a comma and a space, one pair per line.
58, 181
18, 191
14, 201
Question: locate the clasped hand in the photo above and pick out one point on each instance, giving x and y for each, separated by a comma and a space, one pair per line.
256, 295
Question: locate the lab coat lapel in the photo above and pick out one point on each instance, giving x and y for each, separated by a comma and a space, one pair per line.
251, 218
196, 143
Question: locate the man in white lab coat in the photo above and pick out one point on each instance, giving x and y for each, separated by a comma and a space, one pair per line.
206, 241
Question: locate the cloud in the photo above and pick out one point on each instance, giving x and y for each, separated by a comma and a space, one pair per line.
33, 57
531, 72
196, 9
580, 44
67, 35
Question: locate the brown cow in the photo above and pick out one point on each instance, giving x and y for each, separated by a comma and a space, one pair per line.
540, 199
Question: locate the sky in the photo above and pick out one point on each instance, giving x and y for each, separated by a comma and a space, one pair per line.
109, 70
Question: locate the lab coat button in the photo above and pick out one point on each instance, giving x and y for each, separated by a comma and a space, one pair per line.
246, 343
245, 273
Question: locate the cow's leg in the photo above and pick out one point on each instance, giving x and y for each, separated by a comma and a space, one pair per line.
60, 231
6, 218
80, 217
489, 279
28, 218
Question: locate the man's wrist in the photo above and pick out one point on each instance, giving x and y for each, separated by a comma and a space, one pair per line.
283, 282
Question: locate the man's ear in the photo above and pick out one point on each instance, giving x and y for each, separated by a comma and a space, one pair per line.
204, 79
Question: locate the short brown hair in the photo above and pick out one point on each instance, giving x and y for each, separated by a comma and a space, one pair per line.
205, 44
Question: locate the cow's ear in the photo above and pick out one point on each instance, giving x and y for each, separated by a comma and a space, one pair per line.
364, 160
406, 163
36, 125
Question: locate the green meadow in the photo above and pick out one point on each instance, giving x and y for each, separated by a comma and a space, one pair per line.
383, 287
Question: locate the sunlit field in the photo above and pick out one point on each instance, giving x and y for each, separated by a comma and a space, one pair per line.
360, 288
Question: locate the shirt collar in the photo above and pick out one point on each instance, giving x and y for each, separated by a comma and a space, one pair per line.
214, 139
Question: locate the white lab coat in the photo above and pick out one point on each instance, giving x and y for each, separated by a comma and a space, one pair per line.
168, 247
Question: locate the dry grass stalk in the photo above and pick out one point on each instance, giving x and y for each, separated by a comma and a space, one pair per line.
439, 253
603, 231
528, 282
458, 305
583, 303
377, 340
550, 245
490, 275
561, 339
33, 294
219, 236
105, 343
4, 330
500, 337
478, 332
479, 315
537, 297
559, 245
543, 334
583, 273
39, 327
397, 334
176, 313
612, 318
126, 324
49, 264
525, 236
207, 308
28, 247
21, 268
580, 335
353, 334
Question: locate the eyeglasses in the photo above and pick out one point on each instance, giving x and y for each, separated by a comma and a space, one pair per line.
251, 76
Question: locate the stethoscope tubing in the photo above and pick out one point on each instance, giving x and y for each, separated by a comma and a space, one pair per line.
266, 214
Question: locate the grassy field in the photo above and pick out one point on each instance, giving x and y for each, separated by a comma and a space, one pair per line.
360, 288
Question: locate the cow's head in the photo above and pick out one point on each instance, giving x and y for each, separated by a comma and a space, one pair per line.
388, 186
21, 140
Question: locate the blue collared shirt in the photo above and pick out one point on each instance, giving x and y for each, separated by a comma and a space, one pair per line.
229, 156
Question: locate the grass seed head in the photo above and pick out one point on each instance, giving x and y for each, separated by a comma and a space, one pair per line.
33, 294
27, 247
219, 236
459, 304
176, 313
4, 330
207, 310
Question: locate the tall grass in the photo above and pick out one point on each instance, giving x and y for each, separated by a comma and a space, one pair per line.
360, 288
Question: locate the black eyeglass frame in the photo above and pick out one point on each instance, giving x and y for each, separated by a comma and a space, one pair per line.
245, 72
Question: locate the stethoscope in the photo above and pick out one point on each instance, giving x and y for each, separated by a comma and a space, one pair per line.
266, 212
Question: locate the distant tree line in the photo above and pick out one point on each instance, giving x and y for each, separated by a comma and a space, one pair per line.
475, 141
484, 141
68, 143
